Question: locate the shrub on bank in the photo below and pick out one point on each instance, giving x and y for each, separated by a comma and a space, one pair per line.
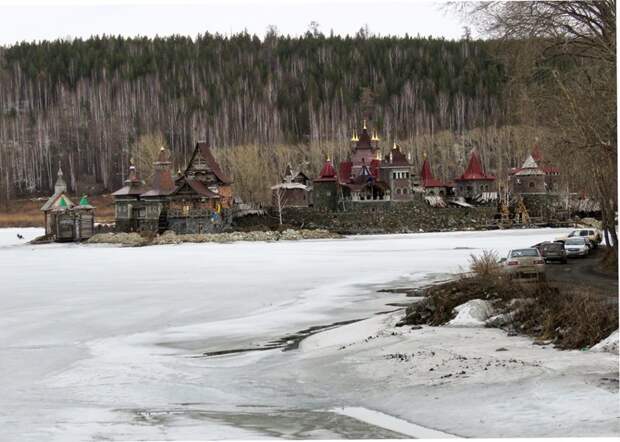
563, 315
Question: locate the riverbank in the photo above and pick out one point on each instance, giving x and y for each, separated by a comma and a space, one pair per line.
169, 237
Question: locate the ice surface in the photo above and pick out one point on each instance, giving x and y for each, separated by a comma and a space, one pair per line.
107, 342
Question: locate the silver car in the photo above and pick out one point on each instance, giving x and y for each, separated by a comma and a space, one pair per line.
525, 264
576, 247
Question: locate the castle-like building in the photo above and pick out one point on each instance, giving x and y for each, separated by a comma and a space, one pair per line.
366, 176
196, 200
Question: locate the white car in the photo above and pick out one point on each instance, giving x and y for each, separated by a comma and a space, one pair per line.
592, 234
525, 263
577, 246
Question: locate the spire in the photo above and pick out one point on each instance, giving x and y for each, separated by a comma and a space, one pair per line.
163, 157
394, 146
365, 125
61, 185
132, 178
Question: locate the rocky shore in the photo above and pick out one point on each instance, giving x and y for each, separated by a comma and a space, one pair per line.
169, 237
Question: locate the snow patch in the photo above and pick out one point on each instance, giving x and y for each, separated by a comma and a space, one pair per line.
473, 313
609, 344
392, 423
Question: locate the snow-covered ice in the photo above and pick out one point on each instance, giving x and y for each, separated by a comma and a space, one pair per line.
108, 342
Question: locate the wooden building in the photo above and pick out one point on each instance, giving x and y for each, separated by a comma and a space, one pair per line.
295, 190
198, 200
64, 220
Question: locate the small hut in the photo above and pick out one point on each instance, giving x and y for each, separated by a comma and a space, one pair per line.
64, 220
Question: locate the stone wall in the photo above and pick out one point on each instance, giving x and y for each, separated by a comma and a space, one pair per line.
542, 205
376, 217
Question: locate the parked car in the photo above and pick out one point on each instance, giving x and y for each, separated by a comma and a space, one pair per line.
525, 263
577, 247
592, 234
552, 251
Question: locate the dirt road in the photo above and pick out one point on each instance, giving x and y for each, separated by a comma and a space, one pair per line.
583, 273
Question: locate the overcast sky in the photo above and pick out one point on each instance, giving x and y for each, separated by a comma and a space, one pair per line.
35, 20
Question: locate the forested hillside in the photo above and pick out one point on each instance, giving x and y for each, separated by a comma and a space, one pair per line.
87, 102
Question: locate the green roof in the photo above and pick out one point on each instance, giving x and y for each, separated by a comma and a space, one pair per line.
62, 202
84, 201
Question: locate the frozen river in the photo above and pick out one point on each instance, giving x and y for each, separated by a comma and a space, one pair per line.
104, 342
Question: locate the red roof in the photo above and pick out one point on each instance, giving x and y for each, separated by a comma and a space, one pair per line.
328, 173
344, 172
474, 170
374, 167
428, 180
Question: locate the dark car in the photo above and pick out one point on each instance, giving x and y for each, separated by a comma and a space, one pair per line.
552, 251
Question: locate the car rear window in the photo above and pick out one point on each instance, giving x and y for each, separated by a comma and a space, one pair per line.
523, 252
575, 242
554, 246
583, 233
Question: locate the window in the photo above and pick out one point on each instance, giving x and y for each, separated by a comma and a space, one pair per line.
404, 191
398, 191
531, 184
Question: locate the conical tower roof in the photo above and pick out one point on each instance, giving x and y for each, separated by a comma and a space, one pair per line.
426, 175
474, 170
328, 172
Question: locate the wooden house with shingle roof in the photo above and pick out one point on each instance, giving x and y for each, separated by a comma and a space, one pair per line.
197, 200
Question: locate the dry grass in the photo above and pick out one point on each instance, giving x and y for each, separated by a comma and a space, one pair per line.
486, 264
27, 212
570, 318
609, 262
441, 299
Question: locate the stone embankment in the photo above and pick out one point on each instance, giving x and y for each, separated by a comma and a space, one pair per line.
169, 237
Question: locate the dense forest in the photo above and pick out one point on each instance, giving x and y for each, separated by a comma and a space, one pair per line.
87, 103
